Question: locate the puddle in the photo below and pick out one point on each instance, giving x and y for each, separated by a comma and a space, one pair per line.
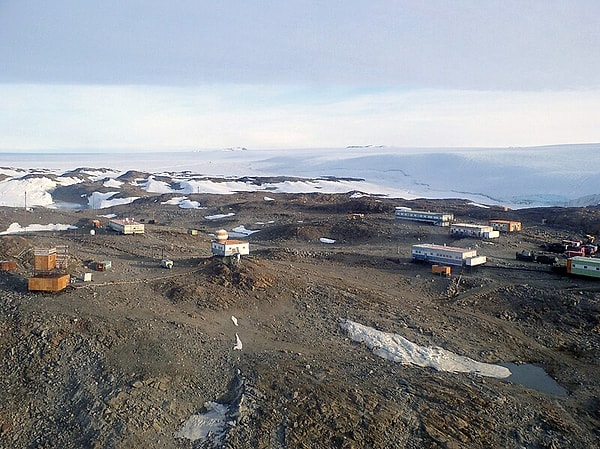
534, 377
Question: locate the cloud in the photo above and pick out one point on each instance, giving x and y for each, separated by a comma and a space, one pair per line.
37, 117
492, 45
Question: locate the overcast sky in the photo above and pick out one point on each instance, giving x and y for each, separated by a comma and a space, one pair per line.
193, 74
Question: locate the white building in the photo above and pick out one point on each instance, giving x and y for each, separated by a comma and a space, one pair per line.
223, 246
126, 226
435, 218
473, 230
447, 255
230, 248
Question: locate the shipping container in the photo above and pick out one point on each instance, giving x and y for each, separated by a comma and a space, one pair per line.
441, 269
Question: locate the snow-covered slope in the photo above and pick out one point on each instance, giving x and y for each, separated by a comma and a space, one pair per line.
561, 175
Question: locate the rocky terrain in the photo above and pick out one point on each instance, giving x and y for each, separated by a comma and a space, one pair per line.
125, 360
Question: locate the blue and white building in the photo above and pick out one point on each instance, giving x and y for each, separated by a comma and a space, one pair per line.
447, 255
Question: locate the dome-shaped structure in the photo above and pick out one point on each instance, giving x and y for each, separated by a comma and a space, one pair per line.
222, 235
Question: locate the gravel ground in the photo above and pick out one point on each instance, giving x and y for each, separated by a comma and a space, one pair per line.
125, 360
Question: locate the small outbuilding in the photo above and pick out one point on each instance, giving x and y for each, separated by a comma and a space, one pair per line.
50, 282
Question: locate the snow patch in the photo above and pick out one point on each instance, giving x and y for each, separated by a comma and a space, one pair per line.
398, 349
203, 426
219, 216
16, 228
238, 343
241, 231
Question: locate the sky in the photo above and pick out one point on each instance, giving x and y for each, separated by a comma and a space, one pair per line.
80, 75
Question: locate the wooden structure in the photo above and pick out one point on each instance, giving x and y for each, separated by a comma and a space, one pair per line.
49, 265
52, 282
48, 259
44, 259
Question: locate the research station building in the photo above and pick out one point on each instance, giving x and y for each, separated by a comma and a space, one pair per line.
473, 230
506, 225
434, 218
223, 246
126, 226
446, 255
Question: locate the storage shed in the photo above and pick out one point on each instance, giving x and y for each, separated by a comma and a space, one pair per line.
44, 259
446, 255
49, 282
126, 226
506, 225
473, 230
434, 218
103, 265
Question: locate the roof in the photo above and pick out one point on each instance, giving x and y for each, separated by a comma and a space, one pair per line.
582, 259
442, 247
470, 225
231, 242
125, 221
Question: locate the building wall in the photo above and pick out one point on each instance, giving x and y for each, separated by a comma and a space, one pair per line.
230, 248
126, 228
44, 262
442, 255
48, 284
437, 218
506, 225
584, 266
473, 231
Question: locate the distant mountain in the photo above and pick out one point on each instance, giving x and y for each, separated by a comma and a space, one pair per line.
558, 175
